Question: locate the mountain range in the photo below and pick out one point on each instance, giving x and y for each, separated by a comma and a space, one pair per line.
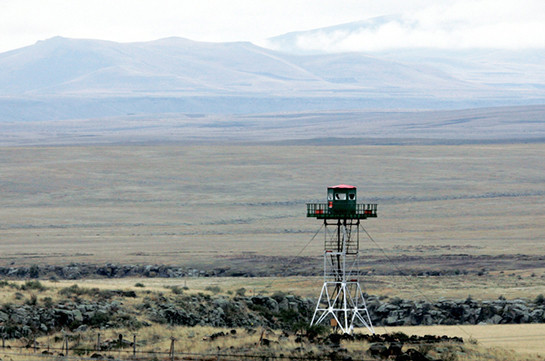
62, 79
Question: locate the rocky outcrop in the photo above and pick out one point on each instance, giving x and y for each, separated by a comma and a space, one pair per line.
75, 271
27, 320
398, 312
230, 312
107, 310
188, 310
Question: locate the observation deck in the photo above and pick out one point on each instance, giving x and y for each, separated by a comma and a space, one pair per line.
325, 211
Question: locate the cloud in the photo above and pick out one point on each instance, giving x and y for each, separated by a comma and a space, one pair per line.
460, 25
438, 23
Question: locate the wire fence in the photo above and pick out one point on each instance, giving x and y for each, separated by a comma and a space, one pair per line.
71, 350
67, 352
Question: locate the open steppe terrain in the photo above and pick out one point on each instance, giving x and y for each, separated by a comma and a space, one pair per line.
464, 207
467, 219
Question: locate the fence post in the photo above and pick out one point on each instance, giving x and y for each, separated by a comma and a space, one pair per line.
134, 345
35, 344
3, 340
98, 342
119, 344
66, 343
171, 352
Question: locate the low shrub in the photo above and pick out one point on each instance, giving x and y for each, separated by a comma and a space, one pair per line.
33, 285
76, 291
8, 284
241, 292
32, 301
214, 289
48, 302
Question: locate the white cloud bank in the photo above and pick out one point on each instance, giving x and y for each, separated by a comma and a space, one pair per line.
395, 35
460, 25
435, 23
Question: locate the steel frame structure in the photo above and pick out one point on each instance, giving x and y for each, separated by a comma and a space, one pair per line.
341, 300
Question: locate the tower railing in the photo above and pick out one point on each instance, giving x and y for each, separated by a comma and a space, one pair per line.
362, 211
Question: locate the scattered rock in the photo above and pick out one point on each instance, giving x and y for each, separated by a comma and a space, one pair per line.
378, 350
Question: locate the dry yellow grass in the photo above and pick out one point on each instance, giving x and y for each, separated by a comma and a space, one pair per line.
484, 287
155, 341
490, 342
494, 342
416, 288
526, 339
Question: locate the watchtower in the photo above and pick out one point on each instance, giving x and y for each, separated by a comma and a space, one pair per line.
341, 300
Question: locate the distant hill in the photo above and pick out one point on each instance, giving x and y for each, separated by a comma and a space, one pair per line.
482, 125
63, 79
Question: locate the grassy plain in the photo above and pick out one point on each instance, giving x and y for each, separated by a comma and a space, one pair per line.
236, 204
415, 288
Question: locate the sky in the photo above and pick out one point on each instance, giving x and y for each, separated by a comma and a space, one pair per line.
512, 24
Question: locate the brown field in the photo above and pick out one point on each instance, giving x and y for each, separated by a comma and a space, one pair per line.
187, 204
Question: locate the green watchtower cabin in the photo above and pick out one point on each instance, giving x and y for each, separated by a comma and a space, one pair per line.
341, 203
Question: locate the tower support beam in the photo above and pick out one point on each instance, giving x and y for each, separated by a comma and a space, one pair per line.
341, 300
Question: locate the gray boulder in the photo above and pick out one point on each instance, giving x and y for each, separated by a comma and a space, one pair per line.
272, 305
494, 320
284, 304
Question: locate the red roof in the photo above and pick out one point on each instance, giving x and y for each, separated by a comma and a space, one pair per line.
346, 186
